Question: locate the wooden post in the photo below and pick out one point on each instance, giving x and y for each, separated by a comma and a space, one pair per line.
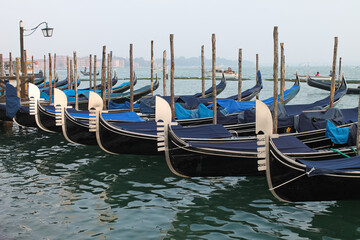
282, 73
333, 75
17, 74
55, 73
44, 70
152, 67
23, 92
33, 70
275, 76
111, 70
50, 79
2, 82
94, 73
213, 40
202, 72
172, 92
339, 80
131, 80
75, 85
90, 72
67, 72
164, 73
240, 75
257, 69
103, 77
71, 73
11, 65
109, 82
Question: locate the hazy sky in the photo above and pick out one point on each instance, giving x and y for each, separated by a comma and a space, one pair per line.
306, 27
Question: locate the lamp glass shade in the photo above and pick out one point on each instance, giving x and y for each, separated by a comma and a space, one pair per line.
47, 32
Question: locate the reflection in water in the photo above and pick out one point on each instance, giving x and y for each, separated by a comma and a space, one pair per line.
53, 189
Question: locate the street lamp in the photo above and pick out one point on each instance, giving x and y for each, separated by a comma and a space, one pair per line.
47, 32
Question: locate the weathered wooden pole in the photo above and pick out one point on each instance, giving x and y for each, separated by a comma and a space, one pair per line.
2, 82
339, 80
282, 73
10, 65
103, 77
152, 67
240, 75
333, 75
111, 71
50, 78
90, 72
131, 80
213, 41
67, 72
23, 85
71, 73
55, 73
164, 73
17, 74
275, 76
44, 70
202, 72
75, 85
33, 69
109, 82
94, 73
257, 69
172, 82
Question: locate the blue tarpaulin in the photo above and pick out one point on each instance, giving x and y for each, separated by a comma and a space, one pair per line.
342, 165
12, 101
336, 134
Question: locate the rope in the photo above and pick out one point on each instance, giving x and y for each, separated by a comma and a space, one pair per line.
354, 150
343, 154
282, 184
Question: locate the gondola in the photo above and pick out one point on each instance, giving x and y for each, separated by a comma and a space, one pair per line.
85, 73
219, 88
326, 85
229, 156
298, 180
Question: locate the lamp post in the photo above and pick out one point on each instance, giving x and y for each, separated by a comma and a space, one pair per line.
47, 32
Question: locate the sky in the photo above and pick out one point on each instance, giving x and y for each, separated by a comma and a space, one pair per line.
307, 28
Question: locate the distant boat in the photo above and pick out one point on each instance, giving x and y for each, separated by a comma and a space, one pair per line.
219, 73
86, 73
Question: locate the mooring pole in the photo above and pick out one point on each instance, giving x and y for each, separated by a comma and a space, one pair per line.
109, 82
95, 73
339, 80
131, 80
50, 78
164, 72
44, 70
240, 75
358, 131
33, 70
17, 74
152, 67
11, 64
275, 76
282, 73
111, 71
213, 41
71, 73
90, 72
257, 69
67, 72
75, 85
333, 75
103, 77
172, 91
202, 72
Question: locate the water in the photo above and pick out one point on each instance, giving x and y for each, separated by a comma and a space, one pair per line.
52, 189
